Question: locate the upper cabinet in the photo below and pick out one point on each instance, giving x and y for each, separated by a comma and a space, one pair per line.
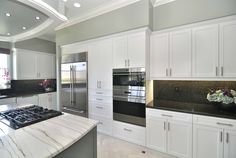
228, 49
130, 50
200, 51
33, 65
205, 51
171, 54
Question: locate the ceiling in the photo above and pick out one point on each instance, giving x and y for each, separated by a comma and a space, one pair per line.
20, 16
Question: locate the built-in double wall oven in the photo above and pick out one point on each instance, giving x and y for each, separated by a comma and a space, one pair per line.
129, 95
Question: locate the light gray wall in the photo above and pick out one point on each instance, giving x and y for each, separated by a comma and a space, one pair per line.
130, 17
6, 45
36, 44
183, 12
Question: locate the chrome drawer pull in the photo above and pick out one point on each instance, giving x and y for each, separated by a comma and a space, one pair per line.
100, 123
99, 107
221, 136
99, 93
166, 115
128, 130
224, 124
227, 138
99, 99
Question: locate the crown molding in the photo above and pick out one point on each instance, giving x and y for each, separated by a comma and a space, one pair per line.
156, 3
98, 11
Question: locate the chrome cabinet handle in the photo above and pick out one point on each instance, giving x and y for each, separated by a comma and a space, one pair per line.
216, 71
164, 126
166, 115
99, 93
166, 72
224, 124
99, 99
99, 107
222, 71
125, 63
128, 62
128, 130
227, 138
170, 72
168, 126
221, 136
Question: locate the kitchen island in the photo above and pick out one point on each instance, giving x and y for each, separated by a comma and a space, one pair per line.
60, 137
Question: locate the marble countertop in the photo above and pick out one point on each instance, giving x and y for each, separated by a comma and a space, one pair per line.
44, 139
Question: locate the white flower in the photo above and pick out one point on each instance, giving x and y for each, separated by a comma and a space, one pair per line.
235, 100
233, 92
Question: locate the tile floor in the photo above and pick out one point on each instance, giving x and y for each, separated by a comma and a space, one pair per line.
109, 147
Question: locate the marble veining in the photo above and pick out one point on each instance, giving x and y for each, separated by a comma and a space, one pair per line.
44, 139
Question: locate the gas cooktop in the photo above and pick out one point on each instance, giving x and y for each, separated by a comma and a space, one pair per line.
21, 117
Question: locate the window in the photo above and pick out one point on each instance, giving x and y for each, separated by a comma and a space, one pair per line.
5, 78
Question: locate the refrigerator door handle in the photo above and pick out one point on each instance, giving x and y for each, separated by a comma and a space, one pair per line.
74, 78
70, 85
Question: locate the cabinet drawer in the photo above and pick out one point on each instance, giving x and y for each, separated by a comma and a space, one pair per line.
129, 132
100, 109
100, 99
104, 125
215, 122
100, 92
170, 115
8, 101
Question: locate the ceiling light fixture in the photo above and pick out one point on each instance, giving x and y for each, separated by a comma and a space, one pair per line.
37, 18
65, 0
8, 34
24, 28
8, 14
77, 5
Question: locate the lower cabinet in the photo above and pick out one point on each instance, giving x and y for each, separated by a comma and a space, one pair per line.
213, 137
48, 100
8, 101
128, 132
104, 125
169, 132
27, 100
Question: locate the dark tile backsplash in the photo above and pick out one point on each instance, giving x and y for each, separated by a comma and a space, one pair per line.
27, 86
188, 91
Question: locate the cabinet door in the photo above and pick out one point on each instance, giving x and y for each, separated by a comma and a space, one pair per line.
28, 100
179, 139
205, 51
207, 142
156, 133
44, 100
120, 52
25, 65
136, 49
230, 144
227, 49
180, 53
45, 66
159, 56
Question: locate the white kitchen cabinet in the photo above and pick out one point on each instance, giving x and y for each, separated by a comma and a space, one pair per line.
48, 100
230, 144
104, 125
159, 56
24, 100
33, 65
129, 132
180, 53
156, 133
207, 142
213, 137
227, 49
137, 49
169, 132
120, 52
205, 51
8, 101
100, 65
129, 51
24, 65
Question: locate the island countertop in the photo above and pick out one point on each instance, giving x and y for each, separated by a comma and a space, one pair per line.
45, 139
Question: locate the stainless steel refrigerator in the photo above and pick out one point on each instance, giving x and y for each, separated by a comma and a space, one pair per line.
74, 83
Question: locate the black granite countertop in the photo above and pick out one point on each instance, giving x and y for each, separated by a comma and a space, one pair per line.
22, 94
193, 108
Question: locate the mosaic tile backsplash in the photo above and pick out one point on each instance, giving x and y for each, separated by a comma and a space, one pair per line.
188, 91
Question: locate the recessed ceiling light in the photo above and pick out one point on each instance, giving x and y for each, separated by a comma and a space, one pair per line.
24, 28
8, 14
8, 34
77, 5
65, 0
37, 18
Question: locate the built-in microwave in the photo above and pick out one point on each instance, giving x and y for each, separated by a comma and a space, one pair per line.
129, 95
